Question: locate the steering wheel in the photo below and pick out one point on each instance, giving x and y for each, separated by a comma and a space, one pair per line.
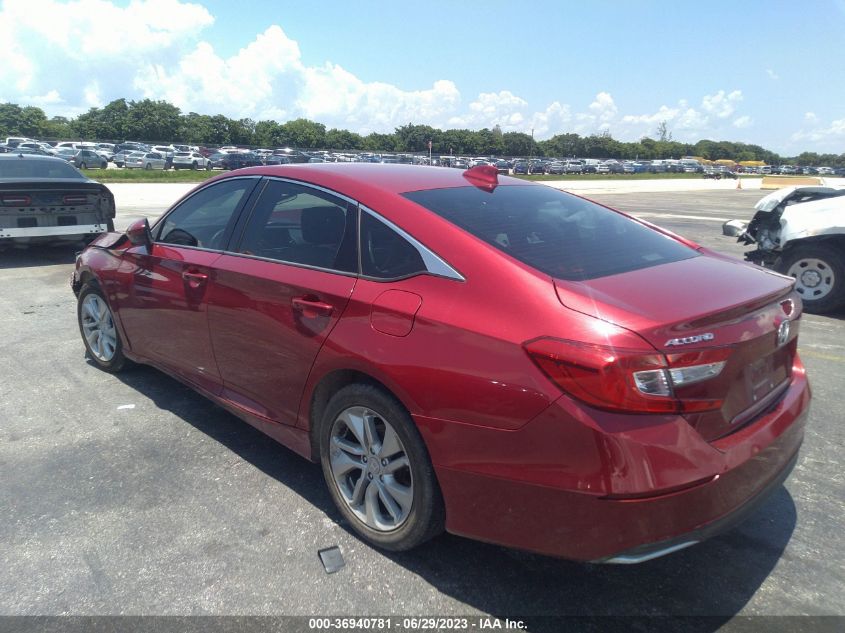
213, 242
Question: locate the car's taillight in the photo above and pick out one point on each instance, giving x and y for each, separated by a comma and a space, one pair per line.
17, 201
627, 380
75, 199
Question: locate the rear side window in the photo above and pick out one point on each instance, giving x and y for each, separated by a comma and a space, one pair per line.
384, 253
299, 225
557, 233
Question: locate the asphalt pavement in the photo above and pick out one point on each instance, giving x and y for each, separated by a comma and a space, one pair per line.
132, 494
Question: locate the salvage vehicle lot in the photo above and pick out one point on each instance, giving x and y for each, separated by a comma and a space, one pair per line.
133, 494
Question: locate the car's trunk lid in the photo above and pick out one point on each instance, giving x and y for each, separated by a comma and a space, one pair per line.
699, 304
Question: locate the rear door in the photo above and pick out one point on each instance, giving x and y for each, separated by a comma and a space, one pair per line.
165, 310
279, 294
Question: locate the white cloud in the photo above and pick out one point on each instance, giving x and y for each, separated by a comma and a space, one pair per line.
492, 108
603, 107
772, 74
555, 119
743, 121
69, 56
56, 47
721, 105
810, 117
829, 136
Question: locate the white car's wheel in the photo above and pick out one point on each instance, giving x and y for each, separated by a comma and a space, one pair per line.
819, 273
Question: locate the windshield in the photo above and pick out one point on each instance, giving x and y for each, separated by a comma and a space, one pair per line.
22, 168
559, 234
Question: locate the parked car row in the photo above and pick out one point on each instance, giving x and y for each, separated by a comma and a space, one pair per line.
180, 156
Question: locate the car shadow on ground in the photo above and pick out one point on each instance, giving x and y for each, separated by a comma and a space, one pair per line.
32, 256
711, 581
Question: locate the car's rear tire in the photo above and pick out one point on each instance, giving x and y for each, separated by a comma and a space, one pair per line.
148, 166
98, 329
104, 165
82, 165
378, 470
819, 272
208, 166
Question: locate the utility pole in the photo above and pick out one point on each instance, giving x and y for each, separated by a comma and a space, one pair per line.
531, 150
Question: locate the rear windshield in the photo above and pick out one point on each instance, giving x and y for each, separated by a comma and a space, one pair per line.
552, 231
23, 168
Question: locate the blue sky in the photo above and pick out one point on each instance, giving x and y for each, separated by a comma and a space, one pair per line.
768, 72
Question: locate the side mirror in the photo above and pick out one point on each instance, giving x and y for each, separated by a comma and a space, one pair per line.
139, 233
734, 228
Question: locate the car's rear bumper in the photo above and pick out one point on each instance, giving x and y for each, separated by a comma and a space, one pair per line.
649, 551
593, 490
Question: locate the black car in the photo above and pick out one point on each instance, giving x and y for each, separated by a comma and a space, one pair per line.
503, 167
235, 160
293, 155
44, 198
273, 159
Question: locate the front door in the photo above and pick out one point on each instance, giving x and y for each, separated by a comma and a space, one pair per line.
165, 311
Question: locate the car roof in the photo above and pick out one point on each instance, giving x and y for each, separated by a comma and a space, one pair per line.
386, 177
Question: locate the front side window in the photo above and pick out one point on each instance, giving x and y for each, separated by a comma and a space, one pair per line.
300, 225
557, 233
204, 220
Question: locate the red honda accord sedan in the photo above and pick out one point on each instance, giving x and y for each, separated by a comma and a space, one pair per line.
467, 352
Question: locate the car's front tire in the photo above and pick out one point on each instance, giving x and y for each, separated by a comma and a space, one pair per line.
819, 272
378, 470
99, 330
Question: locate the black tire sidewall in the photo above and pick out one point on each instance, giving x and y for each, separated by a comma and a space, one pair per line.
426, 518
118, 361
835, 261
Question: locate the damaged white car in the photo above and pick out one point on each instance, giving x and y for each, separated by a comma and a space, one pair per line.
800, 232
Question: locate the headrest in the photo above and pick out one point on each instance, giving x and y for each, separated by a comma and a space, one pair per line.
323, 225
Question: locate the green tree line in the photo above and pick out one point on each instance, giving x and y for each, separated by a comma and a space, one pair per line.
158, 121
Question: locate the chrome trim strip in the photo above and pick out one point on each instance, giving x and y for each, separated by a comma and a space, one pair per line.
633, 559
43, 231
303, 183
281, 262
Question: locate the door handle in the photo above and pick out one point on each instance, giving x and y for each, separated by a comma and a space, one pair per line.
195, 280
311, 307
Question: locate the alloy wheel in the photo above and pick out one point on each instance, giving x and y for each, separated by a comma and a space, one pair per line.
98, 328
371, 469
